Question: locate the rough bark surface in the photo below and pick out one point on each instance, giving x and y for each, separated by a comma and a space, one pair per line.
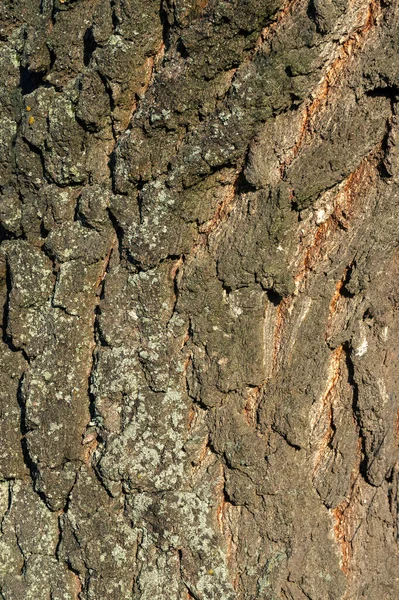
199, 271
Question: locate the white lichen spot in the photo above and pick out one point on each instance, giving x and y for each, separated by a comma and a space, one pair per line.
54, 427
362, 347
4, 498
383, 391
321, 216
119, 555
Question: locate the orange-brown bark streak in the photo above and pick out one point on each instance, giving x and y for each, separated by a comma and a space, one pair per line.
346, 517
282, 15
333, 74
325, 405
347, 203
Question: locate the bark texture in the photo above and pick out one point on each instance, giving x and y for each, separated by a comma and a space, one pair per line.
199, 271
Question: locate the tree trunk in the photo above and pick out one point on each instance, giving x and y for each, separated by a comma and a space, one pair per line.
200, 278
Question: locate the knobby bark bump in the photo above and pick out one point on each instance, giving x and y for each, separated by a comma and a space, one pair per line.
199, 270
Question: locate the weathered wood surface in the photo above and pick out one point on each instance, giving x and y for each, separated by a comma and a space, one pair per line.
200, 278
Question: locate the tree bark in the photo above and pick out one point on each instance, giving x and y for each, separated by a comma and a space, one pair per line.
199, 271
